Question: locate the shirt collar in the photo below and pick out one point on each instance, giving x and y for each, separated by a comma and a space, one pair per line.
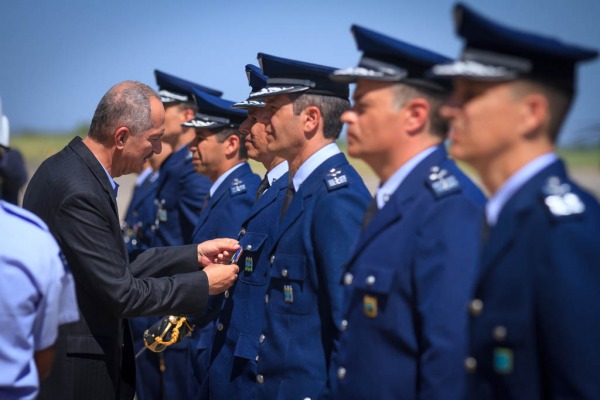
224, 176
114, 184
313, 163
514, 183
142, 176
277, 172
391, 185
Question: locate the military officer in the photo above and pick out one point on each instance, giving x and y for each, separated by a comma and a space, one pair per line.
410, 274
220, 154
232, 372
321, 216
13, 174
535, 315
37, 294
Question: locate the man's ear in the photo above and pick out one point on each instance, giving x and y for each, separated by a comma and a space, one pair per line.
534, 111
312, 118
188, 114
416, 115
121, 135
232, 147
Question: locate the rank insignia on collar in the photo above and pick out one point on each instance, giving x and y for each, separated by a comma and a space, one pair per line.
442, 183
335, 179
560, 200
370, 306
288, 294
249, 265
237, 187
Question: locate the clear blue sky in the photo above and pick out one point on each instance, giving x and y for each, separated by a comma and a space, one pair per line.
58, 57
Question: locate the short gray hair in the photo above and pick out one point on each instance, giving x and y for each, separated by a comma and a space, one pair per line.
125, 104
403, 93
331, 109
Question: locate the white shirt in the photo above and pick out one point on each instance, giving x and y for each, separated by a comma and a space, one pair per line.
277, 172
224, 176
496, 203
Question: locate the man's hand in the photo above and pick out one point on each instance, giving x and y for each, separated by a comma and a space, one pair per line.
220, 277
217, 251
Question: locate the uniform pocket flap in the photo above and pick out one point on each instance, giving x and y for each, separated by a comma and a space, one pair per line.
287, 266
252, 241
246, 347
372, 279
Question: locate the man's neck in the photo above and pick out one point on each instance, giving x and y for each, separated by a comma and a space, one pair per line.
310, 147
387, 163
103, 154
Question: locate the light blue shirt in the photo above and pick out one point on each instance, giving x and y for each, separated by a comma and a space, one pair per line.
496, 203
391, 185
114, 184
224, 176
37, 293
313, 163
277, 172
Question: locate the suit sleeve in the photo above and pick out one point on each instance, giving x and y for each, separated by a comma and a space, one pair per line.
94, 248
157, 262
568, 304
446, 257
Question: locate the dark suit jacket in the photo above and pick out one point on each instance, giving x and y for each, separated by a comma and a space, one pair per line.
536, 334
71, 192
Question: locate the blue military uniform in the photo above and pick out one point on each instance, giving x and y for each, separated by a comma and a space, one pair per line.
140, 215
37, 294
535, 315
175, 203
410, 275
232, 372
304, 299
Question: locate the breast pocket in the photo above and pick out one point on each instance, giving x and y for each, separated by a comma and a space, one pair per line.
289, 292
251, 271
372, 288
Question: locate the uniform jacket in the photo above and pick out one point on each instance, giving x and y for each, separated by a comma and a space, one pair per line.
535, 325
222, 216
71, 192
304, 295
408, 283
140, 216
180, 194
233, 362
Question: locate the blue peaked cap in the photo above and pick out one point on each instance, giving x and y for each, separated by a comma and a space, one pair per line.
494, 52
390, 60
292, 76
214, 112
257, 82
173, 89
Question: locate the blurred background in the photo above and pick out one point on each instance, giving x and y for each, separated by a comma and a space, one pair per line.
57, 58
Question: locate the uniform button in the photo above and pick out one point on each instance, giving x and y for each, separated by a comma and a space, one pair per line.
262, 338
341, 373
220, 327
471, 365
249, 247
476, 307
499, 333
344, 325
243, 232
284, 273
272, 258
348, 278
260, 378
227, 294
266, 298
257, 358
370, 280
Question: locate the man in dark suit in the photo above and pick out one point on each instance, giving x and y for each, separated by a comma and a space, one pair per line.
535, 316
232, 372
411, 272
321, 216
75, 194
220, 154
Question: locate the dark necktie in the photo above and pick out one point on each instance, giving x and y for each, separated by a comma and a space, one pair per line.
371, 210
289, 195
264, 185
206, 199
